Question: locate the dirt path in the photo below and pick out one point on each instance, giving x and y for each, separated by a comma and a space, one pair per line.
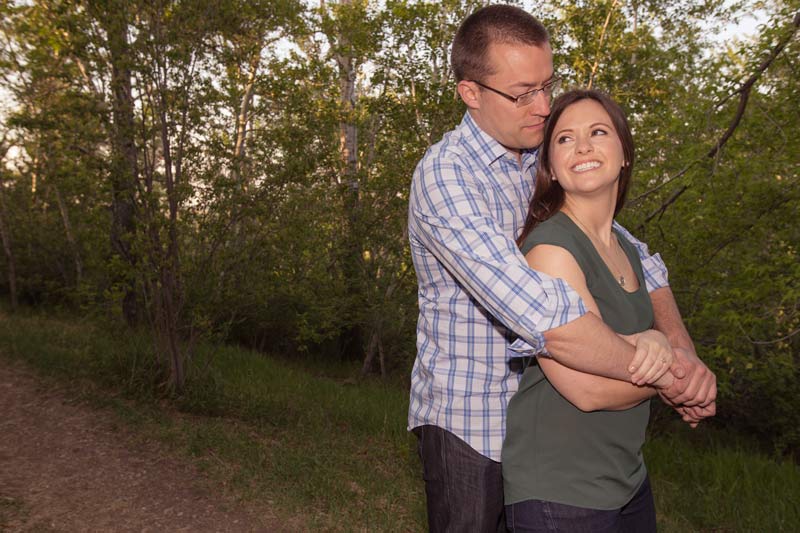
64, 468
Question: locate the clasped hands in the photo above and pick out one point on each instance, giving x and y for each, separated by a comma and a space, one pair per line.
679, 376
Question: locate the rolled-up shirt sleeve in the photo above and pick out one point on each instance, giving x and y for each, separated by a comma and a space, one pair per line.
450, 216
655, 271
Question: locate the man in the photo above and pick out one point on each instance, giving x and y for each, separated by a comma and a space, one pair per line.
468, 201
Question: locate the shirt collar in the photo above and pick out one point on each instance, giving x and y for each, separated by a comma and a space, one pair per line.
487, 147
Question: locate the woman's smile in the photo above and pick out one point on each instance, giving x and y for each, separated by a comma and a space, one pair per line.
583, 167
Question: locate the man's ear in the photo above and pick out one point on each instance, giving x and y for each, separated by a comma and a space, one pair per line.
469, 93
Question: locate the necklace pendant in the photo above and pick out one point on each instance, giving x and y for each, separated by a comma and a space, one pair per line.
621, 281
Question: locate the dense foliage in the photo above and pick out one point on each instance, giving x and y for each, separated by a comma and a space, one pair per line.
239, 170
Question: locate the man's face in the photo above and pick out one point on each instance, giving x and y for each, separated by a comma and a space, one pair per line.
518, 68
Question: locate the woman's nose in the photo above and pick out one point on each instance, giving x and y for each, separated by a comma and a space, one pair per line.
582, 145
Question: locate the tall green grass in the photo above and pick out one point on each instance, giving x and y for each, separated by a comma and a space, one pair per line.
333, 454
720, 482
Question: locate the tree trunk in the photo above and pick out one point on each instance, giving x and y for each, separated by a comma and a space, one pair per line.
372, 351
73, 244
350, 338
168, 329
375, 347
382, 357
242, 120
170, 287
240, 170
124, 167
6, 238
169, 296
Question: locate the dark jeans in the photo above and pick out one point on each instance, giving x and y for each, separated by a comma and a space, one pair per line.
637, 516
464, 489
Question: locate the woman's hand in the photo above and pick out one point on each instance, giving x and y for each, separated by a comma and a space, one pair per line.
652, 359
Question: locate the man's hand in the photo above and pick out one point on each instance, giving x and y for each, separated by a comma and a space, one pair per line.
693, 415
694, 384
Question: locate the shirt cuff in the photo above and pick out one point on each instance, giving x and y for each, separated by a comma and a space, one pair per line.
569, 306
520, 348
656, 276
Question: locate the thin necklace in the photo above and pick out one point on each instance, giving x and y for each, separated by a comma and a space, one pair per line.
610, 262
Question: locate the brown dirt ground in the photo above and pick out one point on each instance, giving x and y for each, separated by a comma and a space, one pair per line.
65, 467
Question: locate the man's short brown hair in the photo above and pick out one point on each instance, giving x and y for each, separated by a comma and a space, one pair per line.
496, 24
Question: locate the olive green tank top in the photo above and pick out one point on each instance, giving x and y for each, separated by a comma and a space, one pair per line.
553, 451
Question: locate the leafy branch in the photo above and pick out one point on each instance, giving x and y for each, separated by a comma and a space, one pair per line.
743, 92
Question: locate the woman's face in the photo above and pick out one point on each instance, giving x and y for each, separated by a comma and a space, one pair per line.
585, 149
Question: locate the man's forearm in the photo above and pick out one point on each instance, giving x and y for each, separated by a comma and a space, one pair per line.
668, 319
587, 344
696, 384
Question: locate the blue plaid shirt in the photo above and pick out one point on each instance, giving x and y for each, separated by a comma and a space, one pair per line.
477, 295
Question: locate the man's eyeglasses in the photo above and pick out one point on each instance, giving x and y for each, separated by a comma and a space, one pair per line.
526, 98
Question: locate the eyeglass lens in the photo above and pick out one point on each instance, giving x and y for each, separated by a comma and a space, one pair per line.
548, 90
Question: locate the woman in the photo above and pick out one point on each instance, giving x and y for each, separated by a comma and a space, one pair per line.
572, 456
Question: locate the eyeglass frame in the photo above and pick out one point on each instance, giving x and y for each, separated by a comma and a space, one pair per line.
551, 85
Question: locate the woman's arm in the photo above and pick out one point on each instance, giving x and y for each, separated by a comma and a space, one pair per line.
586, 391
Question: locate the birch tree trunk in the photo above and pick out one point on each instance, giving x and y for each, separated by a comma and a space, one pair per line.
240, 172
351, 336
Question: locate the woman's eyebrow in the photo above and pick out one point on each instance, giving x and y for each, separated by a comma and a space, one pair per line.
570, 129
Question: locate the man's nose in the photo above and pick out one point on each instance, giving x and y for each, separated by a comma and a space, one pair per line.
540, 105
